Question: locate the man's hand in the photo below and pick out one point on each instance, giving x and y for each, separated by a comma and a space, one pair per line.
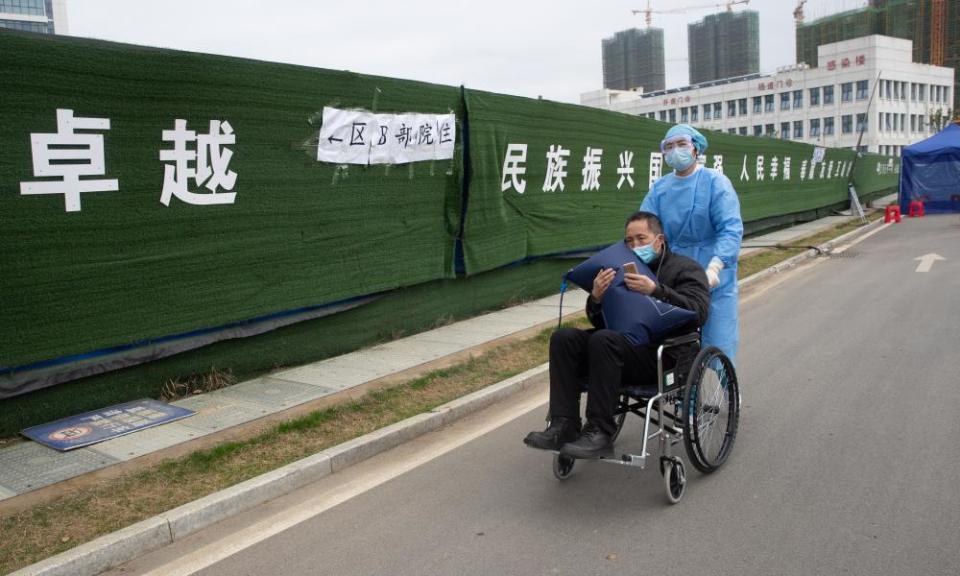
601, 283
640, 283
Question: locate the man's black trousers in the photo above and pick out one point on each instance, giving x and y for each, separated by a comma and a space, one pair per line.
603, 360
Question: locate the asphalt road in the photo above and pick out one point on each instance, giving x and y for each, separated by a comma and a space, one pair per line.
846, 462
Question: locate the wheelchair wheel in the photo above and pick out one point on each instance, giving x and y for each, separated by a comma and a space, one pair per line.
562, 466
674, 478
711, 405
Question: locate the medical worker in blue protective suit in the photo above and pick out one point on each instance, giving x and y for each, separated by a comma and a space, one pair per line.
701, 219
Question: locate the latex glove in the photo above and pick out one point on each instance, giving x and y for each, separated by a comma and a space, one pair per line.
713, 272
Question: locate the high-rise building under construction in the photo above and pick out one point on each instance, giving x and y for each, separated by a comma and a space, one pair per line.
724, 45
633, 59
932, 25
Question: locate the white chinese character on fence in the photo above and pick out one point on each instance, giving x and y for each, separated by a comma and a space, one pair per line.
774, 167
513, 167
786, 167
803, 170
656, 165
744, 174
591, 169
830, 173
718, 163
210, 162
760, 171
556, 168
626, 169
823, 169
68, 156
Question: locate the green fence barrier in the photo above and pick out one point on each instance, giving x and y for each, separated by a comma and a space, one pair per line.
550, 177
113, 252
138, 257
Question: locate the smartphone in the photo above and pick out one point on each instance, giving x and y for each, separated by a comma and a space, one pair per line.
630, 268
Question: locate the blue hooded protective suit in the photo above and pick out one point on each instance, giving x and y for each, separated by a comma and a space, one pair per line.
701, 220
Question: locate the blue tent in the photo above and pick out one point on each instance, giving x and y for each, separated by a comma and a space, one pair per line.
930, 171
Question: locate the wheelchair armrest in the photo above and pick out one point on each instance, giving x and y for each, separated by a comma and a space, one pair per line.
680, 340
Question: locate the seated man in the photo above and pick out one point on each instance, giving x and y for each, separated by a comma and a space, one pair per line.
606, 359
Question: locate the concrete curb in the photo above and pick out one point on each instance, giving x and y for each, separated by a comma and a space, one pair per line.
118, 547
796, 260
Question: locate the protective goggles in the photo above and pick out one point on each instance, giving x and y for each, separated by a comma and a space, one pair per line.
679, 141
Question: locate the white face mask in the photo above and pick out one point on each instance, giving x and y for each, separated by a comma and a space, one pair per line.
680, 158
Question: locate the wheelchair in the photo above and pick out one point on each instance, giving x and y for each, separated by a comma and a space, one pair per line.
702, 411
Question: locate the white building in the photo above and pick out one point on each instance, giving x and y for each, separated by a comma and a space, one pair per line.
41, 16
826, 105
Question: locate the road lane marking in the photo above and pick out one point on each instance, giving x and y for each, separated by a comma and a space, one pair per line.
927, 261
235, 543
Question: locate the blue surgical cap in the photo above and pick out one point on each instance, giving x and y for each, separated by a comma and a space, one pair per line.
699, 141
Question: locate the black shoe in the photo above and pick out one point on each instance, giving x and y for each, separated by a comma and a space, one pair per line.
593, 443
560, 431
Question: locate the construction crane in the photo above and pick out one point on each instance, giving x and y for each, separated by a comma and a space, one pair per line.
937, 23
649, 12
798, 12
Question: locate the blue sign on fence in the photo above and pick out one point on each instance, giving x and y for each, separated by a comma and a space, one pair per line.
92, 427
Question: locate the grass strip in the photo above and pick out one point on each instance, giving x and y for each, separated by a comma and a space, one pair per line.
48, 529
759, 261
51, 528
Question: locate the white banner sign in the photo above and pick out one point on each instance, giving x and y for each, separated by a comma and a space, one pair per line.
358, 137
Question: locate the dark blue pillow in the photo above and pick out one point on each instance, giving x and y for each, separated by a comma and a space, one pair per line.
640, 318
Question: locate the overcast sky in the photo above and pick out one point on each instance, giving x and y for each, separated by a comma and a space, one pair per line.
523, 47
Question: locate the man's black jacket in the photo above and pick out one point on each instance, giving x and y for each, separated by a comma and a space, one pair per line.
682, 282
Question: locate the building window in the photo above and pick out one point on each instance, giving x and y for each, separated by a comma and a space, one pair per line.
673, 116
743, 129
921, 121
913, 92
913, 122
815, 128
846, 123
785, 130
768, 103
663, 115
694, 112
903, 122
922, 92
717, 110
27, 7
797, 99
887, 89
846, 92
731, 108
757, 130
742, 106
887, 123
815, 96
828, 126
769, 130
731, 131
863, 87
862, 122
827, 95
684, 115
784, 100
706, 111
798, 129
757, 104
946, 93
